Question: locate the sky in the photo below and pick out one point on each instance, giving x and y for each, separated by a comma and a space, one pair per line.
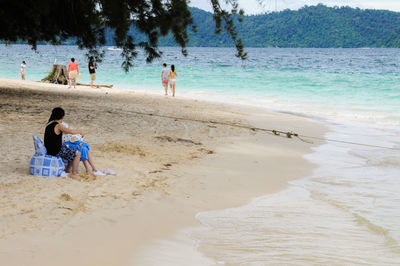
253, 6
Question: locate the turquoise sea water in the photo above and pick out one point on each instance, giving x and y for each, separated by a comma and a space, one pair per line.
348, 211
367, 80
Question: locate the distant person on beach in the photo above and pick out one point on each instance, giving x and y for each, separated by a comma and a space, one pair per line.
92, 71
22, 70
164, 78
54, 146
73, 72
172, 79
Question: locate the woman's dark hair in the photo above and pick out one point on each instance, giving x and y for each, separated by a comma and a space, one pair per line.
72, 59
91, 59
172, 68
57, 114
23, 62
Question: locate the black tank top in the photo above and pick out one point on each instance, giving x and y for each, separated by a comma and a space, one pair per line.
52, 141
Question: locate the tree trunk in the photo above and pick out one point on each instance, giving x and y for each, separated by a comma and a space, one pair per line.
58, 75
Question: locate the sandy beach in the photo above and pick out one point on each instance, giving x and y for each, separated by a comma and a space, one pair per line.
172, 160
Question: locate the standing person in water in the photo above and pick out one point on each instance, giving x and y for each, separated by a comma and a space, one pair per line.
165, 78
73, 72
22, 70
172, 79
92, 71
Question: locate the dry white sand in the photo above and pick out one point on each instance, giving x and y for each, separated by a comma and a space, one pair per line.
167, 170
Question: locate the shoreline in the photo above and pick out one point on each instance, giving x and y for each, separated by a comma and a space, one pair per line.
169, 181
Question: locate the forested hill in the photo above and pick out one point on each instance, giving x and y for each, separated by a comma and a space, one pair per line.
313, 26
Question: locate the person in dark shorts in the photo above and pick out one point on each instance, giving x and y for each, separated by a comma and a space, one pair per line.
92, 71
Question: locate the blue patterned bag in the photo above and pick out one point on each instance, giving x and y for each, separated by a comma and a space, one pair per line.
42, 164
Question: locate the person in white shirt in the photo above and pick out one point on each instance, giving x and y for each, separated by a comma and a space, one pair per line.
22, 70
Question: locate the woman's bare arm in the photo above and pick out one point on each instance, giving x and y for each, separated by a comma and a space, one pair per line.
69, 131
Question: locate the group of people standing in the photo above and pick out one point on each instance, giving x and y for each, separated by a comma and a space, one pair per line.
73, 72
169, 76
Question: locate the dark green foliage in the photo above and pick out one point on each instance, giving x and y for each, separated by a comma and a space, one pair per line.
321, 26
87, 22
314, 26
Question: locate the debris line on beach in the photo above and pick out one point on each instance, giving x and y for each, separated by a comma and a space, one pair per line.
175, 140
275, 132
96, 86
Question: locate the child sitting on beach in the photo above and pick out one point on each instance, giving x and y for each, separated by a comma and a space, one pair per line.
75, 141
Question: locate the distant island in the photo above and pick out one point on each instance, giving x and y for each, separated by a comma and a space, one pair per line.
311, 26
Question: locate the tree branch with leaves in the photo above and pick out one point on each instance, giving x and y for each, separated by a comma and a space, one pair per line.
56, 21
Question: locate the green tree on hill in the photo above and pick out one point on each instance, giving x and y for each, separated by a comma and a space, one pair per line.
311, 26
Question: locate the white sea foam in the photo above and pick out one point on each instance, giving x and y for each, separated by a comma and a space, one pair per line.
346, 213
181, 250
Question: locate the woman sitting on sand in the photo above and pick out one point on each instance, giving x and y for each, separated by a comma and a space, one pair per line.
55, 147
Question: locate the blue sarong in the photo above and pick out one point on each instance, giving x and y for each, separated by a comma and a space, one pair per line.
81, 146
